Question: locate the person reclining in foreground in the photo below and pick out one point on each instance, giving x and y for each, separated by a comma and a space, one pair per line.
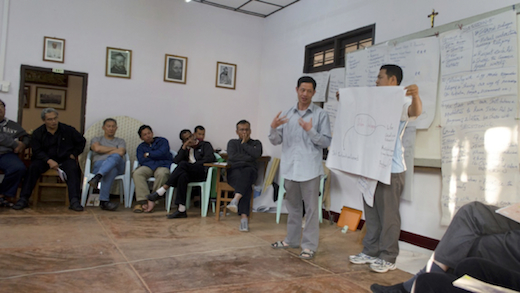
475, 231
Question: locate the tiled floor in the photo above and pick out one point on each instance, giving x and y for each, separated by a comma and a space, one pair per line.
52, 249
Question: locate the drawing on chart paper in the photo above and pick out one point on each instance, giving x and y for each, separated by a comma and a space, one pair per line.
368, 122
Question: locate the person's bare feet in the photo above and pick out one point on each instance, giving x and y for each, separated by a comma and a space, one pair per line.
148, 207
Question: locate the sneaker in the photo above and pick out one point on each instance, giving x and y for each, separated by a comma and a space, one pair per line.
76, 206
108, 206
397, 288
362, 258
244, 226
382, 266
95, 181
232, 206
20, 204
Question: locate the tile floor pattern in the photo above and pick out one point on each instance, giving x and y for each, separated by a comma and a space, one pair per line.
52, 249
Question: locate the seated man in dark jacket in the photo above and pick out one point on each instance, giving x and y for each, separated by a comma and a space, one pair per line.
56, 146
13, 139
243, 153
190, 168
154, 158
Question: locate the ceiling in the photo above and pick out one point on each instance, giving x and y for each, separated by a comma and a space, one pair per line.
260, 8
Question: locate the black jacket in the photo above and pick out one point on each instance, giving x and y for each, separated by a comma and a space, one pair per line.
70, 142
203, 154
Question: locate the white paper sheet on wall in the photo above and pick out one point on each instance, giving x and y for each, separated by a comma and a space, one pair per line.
479, 88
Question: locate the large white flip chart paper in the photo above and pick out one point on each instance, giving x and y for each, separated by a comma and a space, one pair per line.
419, 60
479, 80
366, 130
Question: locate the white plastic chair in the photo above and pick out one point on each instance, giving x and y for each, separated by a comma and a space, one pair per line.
130, 196
205, 190
123, 178
281, 192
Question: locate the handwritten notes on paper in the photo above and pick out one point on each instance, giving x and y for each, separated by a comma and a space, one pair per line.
366, 131
336, 81
322, 80
479, 101
419, 60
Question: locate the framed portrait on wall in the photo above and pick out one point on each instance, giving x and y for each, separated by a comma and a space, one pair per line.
175, 68
49, 97
226, 75
118, 63
53, 49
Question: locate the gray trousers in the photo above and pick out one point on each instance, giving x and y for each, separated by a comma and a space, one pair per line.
476, 230
308, 191
384, 221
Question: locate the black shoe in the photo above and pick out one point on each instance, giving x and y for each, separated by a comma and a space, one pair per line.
153, 196
108, 206
76, 206
95, 181
397, 288
20, 204
177, 215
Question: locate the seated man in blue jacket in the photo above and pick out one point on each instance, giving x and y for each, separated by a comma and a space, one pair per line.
55, 145
190, 168
243, 153
154, 158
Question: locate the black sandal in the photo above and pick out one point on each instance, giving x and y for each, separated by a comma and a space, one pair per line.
4, 203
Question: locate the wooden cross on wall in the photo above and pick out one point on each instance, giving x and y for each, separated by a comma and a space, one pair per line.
432, 16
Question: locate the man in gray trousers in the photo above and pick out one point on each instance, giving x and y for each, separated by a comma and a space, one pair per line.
475, 231
303, 131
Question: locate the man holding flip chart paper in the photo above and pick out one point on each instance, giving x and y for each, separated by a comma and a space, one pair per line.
380, 245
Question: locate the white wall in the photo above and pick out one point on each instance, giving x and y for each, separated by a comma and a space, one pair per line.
287, 33
150, 29
269, 54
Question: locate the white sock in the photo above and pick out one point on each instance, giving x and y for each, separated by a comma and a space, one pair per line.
161, 191
182, 208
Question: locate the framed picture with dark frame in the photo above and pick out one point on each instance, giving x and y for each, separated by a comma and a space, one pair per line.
26, 96
50, 98
118, 63
175, 68
53, 49
226, 75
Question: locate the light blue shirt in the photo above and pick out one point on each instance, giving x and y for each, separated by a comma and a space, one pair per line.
302, 151
398, 164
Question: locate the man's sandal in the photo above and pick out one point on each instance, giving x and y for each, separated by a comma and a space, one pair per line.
280, 245
138, 208
307, 254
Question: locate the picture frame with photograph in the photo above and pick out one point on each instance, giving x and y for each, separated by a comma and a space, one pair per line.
53, 49
26, 97
50, 98
226, 75
175, 68
118, 63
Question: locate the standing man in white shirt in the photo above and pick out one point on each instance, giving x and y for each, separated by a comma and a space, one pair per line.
380, 244
303, 131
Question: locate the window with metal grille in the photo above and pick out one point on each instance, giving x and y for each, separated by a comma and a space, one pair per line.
330, 53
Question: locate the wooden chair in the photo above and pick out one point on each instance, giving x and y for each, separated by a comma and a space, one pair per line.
225, 195
56, 182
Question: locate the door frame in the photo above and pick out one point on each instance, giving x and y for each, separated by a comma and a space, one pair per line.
23, 68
